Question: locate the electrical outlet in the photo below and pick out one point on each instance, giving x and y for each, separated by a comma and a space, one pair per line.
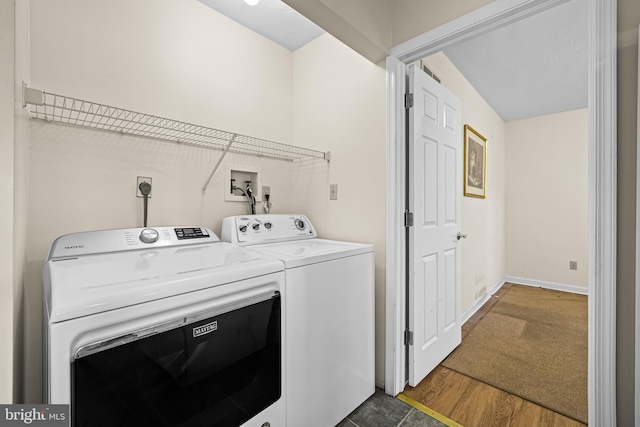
139, 181
266, 190
573, 265
333, 192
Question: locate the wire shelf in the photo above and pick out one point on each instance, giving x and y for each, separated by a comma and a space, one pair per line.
64, 109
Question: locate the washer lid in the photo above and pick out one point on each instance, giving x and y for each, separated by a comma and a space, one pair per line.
311, 251
91, 284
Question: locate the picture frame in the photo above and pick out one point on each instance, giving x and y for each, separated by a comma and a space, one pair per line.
475, 163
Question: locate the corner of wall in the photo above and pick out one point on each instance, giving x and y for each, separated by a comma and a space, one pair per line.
22, 137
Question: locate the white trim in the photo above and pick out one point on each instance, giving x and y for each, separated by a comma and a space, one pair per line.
548, 285
602, 211
479, 303
494, 15
602, 182
395, 295
637, 322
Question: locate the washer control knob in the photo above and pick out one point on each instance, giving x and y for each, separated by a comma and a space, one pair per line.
268, 225
149, 235
300, 224
256, 226
243, 228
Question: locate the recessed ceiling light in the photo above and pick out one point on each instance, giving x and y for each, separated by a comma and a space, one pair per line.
251, 2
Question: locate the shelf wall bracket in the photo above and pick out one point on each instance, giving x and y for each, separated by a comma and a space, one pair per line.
31, 96
215, 168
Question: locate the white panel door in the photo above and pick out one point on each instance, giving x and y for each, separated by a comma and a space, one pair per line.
435, 194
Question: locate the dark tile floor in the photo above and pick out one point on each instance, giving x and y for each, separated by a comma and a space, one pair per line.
382, 410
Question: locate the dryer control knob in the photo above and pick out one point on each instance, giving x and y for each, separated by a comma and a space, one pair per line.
256, 226
268, 225
149, 235
300, 224
243, 228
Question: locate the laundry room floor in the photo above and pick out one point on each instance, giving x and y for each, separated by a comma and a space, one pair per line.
382, 410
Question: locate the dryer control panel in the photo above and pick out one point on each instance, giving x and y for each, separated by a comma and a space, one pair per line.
269, 228
105, 241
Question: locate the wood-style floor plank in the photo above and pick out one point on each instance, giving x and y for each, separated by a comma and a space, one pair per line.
475, 404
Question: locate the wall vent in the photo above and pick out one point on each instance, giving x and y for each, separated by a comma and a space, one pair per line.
428, 71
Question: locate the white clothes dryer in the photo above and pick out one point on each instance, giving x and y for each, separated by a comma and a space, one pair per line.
163, 327
329, 305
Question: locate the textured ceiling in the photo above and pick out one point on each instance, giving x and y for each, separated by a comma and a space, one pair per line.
533, 67
270, 18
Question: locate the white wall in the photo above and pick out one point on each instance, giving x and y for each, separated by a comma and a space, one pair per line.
6, 200
483, 220
547, 198
339, 104
173, 58
178, 59
414, 17
363, 25
376, 24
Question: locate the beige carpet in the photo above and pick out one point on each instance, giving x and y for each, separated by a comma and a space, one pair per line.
532, 343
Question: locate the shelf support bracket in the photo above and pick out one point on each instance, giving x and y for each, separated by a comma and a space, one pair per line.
215, 168
31, 96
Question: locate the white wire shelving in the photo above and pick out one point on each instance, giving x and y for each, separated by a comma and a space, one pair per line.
52, 107
73, 111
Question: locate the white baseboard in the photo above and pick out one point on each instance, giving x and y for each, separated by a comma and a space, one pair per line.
479, 303
548, 285
520, 281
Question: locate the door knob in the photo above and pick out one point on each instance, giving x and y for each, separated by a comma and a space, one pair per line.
461, 236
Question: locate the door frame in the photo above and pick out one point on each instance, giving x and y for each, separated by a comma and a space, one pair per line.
602, 186
637, 284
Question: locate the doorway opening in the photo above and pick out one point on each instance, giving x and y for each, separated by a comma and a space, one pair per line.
602, 186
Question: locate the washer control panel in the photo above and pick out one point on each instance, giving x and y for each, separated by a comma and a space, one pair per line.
104, 241
192, 233
270, 228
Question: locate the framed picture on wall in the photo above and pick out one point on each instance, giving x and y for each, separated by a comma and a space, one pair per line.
475, 163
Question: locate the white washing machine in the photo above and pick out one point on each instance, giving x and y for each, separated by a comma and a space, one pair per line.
329, 304
164, 327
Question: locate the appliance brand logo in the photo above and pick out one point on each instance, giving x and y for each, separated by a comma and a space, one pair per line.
205, 329
74, 247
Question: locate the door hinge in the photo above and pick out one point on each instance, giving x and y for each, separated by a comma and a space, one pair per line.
408, 337
408, 100
408, 219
